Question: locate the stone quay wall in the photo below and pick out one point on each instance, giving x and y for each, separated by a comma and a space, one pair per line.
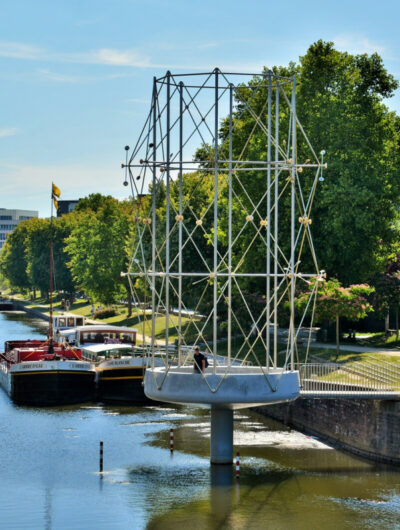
32, 312
366, 427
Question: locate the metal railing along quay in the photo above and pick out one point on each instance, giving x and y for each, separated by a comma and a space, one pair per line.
350, 380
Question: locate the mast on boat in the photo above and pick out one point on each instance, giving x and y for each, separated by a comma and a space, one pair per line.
55, 194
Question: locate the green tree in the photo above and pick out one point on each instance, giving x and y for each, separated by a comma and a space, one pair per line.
387, 291
13, 261
37, 252
340, 103
97, 250
335, 301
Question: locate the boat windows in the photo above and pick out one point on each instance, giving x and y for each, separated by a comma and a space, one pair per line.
108, 338
128, 338
117, 354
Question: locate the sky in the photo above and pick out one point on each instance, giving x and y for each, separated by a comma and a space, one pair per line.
76, 75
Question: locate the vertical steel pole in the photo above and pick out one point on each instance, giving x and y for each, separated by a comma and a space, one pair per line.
167, 221
230, 228
215, 290
268, 293
153, 246
180, 221
276, 220
292, 243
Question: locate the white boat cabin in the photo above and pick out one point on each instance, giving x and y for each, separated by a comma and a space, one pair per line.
67, 321
82, 336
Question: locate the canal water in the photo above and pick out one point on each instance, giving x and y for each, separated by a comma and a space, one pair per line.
49, 479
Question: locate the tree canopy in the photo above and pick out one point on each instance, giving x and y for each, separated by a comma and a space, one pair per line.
355, 226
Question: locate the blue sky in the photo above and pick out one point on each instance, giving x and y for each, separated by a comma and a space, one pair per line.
76, 75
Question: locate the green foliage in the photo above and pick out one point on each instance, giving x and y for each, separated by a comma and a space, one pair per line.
335, 301
13, 262
107, 312
340, 106
96, 234
387, 287
94, 202
37, 251
96, 247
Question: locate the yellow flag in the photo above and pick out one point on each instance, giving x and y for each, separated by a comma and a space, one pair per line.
56, 191
55, 201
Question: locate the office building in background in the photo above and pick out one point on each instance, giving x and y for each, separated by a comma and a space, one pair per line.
9, 220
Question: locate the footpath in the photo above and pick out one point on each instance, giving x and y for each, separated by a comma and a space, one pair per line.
354, 348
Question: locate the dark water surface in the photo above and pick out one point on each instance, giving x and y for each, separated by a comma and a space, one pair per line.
49, 478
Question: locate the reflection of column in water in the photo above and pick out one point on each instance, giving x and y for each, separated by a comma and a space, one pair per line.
221, 491
237, 492
47, 509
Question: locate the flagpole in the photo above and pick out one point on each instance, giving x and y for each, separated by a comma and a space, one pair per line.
51, 272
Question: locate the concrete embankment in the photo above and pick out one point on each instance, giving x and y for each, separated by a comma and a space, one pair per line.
18, 306
366, 427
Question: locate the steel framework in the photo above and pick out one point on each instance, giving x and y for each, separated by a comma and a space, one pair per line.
215, 220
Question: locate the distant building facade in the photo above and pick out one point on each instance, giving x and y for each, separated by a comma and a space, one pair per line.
66, 207
9, 220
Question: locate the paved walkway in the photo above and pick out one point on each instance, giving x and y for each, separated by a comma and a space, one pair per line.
355, 348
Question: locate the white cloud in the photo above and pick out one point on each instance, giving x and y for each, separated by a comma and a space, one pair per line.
113, 57
19, 50
106, 56
357, 44
11, 131
60, 78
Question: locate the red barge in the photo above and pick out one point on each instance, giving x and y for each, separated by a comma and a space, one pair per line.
35, 372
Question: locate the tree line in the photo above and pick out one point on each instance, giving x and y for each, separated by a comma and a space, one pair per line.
341, 105
89, 248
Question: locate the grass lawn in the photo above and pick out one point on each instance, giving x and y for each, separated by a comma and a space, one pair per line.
378, 340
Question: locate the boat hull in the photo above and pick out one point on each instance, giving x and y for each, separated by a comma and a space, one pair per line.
50, 383
121, 385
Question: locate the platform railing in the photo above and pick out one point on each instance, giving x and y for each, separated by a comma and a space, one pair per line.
358, 377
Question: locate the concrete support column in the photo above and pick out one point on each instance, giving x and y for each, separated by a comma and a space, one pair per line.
221, 439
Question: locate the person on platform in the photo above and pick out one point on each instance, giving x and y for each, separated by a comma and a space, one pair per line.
200, 361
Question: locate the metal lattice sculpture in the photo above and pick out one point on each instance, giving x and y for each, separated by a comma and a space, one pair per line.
214, 225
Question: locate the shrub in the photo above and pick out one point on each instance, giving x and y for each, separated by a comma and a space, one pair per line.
105, 313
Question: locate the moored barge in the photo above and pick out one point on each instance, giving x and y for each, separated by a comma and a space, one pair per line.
120, 366
39, 373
